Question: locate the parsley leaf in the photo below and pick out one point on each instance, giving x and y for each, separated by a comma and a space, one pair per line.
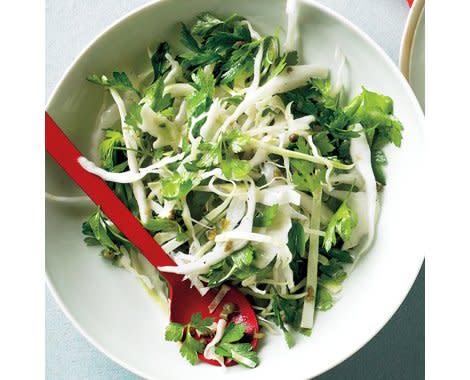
197, 201
244, 257
374, 112
158, 224
233, 332
211, 154
154, 95
119, 81
201, 324
240, 62
200, 101
191, 348
334, 269
188, 40
133, 117
324, 300
323, 88
296, 239
265, 215
178, 185
242, 353
224, 153
239, 266
174, 332
98, 231
205, 24
159, 62
98, 227
108, 152
286, 312
343, 221
305, 175
340, 256
235, 141
233, 168
322, 142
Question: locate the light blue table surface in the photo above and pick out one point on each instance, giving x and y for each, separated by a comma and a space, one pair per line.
396, 353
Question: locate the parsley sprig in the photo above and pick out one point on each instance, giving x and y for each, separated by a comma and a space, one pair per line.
230, 346
190, 347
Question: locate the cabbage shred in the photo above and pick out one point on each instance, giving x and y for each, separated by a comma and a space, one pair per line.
248, 169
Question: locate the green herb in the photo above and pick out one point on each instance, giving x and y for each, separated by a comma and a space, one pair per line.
230, 347
119, 81
375, 113
238, 266
197, 202
201, 100
378, 159
265, 215
178, 185
323, 143
190, 347
99, 231
133, 117
174, 332
342, 223
334, 269
154, 95
296, 242
304, 173
233, 168
159, 62
286, 312
240, 62
157, 224
108, 152
224, 153
205, 24
324, 299
341, 256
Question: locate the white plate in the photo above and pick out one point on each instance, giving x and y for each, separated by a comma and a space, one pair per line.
412, 51
111, 308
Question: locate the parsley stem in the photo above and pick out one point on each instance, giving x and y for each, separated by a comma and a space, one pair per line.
298, 155
312, 264
268, 296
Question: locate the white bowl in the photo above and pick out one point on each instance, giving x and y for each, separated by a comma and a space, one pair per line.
412, 50
111, 308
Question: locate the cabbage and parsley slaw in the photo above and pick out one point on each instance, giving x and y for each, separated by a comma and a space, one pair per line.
248, 169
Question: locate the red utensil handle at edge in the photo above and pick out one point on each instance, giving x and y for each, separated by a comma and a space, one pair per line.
62, 150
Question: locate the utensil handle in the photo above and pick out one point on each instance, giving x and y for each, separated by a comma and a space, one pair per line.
66, 154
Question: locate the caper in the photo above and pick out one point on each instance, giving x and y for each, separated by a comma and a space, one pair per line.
211, 234
293, 137
227, 310
107, 254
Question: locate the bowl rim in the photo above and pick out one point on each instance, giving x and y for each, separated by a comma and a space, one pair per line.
337, 17
407, 42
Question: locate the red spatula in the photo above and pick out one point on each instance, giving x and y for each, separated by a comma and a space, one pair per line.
184, 300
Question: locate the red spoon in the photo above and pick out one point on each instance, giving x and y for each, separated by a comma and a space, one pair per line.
184, 300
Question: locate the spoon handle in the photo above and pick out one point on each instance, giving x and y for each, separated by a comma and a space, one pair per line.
61, 149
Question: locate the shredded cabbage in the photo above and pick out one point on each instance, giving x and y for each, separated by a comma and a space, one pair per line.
248, 169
